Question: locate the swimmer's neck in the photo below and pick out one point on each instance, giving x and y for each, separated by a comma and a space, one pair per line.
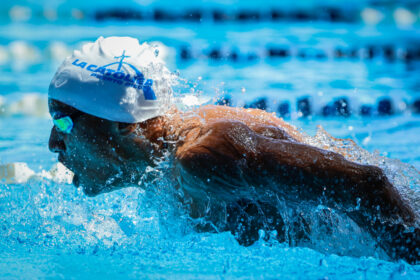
169, 129
160, 130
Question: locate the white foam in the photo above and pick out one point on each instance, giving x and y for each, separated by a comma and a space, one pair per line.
20, 173
17, 172
58, 173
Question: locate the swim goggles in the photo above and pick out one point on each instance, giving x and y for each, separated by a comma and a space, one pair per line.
63, 124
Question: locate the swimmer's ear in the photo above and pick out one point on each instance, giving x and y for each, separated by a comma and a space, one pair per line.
125, 129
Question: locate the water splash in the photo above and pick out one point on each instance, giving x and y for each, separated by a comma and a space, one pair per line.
143, 227
403, 176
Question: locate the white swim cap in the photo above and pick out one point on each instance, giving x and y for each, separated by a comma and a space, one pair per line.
114, 78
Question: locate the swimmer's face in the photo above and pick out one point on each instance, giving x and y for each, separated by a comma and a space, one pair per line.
101, 157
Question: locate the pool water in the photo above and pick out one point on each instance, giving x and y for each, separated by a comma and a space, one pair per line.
49, 229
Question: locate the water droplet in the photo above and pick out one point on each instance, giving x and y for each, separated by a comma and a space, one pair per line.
366, 140
323, 262
358, 200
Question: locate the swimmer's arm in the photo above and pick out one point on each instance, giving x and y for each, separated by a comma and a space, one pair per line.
364, 191
232, 154
235, 153
328, 175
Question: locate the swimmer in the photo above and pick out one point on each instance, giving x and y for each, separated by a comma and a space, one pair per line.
109, 129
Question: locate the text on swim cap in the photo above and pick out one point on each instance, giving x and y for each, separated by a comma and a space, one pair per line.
104, 73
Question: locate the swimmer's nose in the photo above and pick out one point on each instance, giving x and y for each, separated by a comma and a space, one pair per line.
56, 143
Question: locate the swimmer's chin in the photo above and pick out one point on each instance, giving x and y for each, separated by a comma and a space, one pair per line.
91, 193
88, 189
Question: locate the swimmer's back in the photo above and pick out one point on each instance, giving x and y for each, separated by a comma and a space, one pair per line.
255, 119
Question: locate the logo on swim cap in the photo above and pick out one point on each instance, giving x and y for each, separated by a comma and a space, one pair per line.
120, 75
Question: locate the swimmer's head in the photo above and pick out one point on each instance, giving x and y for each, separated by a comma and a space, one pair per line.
96, 97
103, 155
116, 79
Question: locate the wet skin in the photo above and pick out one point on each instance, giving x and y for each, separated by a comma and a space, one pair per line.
235, 156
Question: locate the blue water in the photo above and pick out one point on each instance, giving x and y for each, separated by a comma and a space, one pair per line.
49, 229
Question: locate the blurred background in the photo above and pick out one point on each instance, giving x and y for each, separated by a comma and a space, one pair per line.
351, 66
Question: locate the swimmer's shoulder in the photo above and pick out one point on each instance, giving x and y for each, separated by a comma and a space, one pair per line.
253, 118
211, 137
217, 149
